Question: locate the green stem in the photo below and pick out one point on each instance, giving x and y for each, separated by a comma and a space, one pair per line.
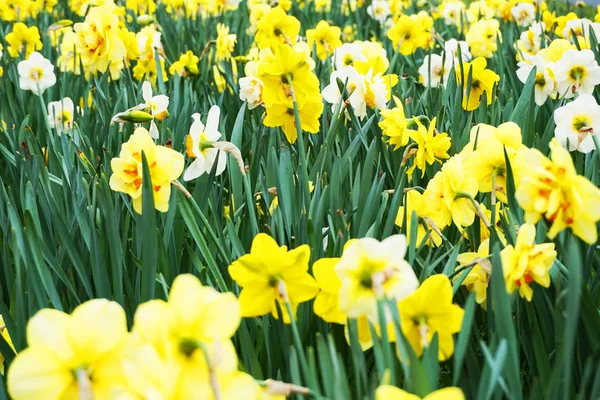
302, 153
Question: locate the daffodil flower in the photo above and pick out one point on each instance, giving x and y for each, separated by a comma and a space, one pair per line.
200, 145
157, 105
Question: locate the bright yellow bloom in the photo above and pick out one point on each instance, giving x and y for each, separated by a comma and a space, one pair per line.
67, 351
325, 38
275, 28
552, 189
429, 310
327, 302
282, 114
482, 80
393, 125
431, 146
408, 34
270, 273
488, 159
287, 71
482, 37
388, 392
448, 195
165, 165
6, 336
415, 201
141, 7
477, 279
225, 43
181, 347
23, 40
527, 262
371, 270
186, 65
373, 58
100, 44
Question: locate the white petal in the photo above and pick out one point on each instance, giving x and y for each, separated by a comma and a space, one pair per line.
161, 103
212, 124
153, 130
194, 170
146, 91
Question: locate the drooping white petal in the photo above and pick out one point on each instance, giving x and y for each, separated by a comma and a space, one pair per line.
153, 130
195, 169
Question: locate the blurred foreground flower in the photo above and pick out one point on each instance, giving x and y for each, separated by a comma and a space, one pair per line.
388, 392
71, 356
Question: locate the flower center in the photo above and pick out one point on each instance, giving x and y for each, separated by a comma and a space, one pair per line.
580, 122
36, 73
577, 73
540, 80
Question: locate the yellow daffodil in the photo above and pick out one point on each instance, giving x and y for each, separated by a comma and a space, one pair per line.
165, 165
287, 73
429, 310
186, 65
23, 40
371, 270
477, 279
71, 354
225, 43
409, 34
415, 201
269, 275
182, 348
282, 114
431, 146
552, 189
482, 37
327, 302
449, 195
325, 38
527, 262
99, 42
388, 392
276, 27
394, 123
482, 81
487, 164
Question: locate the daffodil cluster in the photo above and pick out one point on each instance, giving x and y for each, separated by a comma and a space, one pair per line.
180, 348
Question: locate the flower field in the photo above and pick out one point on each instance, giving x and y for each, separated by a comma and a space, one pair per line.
305, 199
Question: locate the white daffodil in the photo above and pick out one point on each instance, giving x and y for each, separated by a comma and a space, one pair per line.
346, 54
530, 40
545, 84
60, 115
523, 13
433, 70
36, 74
200, 145
251, 86
157, 105
577, 123
379, 10
371, 91
453, 11
576, 72
347, 75
451, 49
579, 27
